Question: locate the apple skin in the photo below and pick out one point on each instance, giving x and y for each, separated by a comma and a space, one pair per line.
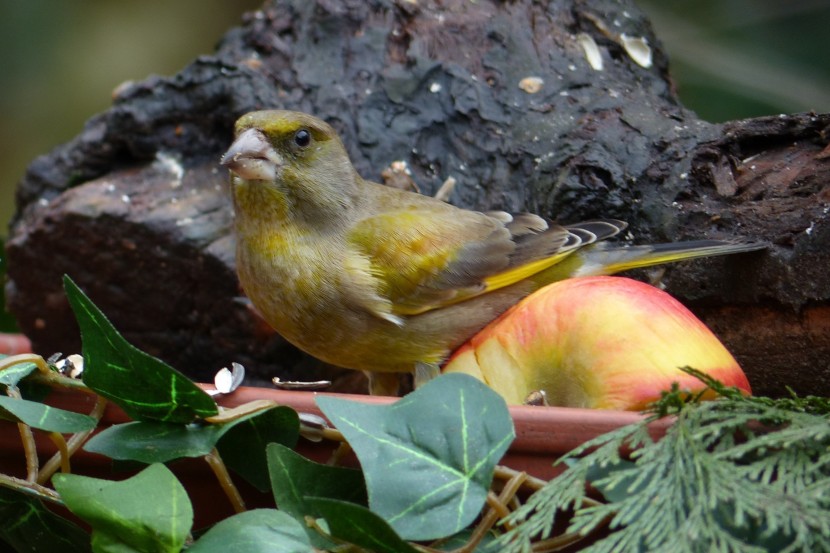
597, 342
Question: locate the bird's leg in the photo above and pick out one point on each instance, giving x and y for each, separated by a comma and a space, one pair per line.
384, 384
424, 372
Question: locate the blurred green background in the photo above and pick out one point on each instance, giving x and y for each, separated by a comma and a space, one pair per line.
60, 60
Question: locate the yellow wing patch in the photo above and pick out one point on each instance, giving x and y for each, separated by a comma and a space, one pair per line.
522, 272
424, 257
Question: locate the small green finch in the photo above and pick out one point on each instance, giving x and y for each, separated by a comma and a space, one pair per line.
370, 277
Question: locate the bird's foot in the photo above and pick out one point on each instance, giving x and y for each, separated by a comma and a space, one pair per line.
384, 384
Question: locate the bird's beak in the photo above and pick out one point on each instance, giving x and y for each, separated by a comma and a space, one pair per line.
252, 157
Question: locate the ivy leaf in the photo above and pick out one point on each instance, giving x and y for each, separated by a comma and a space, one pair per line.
145, 387
16, 376
159, 442
43, 417
149, 512
29, 526
461, 539
359, 526
288, 468
428, 458
154, 442
11, 376
243, 447
293, 477
256, 531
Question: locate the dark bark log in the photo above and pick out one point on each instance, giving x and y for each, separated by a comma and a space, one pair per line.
136, 209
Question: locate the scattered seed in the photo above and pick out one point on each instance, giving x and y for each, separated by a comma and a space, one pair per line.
531, 85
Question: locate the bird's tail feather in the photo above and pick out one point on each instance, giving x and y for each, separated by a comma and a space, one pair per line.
607, 259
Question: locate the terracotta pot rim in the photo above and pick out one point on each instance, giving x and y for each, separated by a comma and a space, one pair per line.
539, 430
12, 343
543, 434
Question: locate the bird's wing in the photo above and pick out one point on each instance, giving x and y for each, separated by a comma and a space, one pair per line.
422, 260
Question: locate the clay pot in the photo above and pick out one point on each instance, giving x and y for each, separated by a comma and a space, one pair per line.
12, 344
543, 434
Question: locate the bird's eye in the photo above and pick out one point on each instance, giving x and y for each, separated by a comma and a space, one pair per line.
302, 138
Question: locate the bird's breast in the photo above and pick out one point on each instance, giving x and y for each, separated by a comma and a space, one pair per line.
297, 285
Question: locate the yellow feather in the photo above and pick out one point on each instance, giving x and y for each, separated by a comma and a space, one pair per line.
523, 271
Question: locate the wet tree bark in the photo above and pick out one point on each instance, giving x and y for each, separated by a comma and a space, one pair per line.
502, 96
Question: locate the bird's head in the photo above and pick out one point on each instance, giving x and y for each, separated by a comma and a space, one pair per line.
290, 158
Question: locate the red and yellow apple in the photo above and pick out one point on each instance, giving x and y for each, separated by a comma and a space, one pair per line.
600, 342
